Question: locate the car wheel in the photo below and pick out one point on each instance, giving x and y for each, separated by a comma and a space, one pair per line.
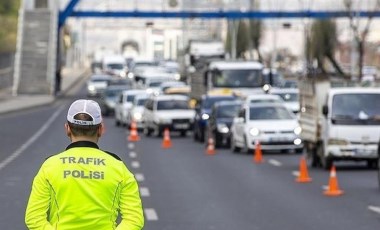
218, 142
378, 170
117, 122
195, 135
183, 133
201, 135
233, 146
372, 164
245, 149
147, 131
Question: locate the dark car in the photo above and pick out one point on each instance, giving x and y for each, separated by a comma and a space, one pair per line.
221, 117
202, 113
109, 98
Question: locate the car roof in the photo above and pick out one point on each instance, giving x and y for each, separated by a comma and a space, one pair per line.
134, 91
265, 104
284, 90
226, 103
170, 97
100, 76
262, 96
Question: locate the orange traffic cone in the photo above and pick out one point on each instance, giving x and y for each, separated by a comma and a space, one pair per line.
258, 156
210, 146
303, 176
133, 134
333, 189
166, 143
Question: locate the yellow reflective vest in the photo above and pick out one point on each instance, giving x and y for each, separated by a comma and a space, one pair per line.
84, 188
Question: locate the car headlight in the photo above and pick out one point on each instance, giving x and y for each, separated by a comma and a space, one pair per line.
91, 88
222, 128
297, 130
130, 75
123, 74
254, 131
137, 116
177, 76
205, 116
334, 141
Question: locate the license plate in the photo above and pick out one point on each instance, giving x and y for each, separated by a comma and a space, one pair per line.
181, 126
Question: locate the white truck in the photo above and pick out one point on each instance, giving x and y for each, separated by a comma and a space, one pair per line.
231, 77
115, 65
339, 123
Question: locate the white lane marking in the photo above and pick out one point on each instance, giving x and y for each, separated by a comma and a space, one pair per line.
374, 209
135, 164
31, 140
150, 214
139, 177
144, 191
275, 162
132, 155
296, 173
131, 146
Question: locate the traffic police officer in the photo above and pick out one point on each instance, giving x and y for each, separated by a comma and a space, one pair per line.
84, 187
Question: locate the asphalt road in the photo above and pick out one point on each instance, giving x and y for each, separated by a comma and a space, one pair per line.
183, 188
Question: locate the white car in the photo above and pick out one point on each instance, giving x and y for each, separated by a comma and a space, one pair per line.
97, 84
124, 104
168, 111
273, 125
135, 113
290, 98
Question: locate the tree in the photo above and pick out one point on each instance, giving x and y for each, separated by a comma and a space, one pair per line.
242, 39
360, 33
8, 24
256, 31
323, 43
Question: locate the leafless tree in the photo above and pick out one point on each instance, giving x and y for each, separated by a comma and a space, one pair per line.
360, 34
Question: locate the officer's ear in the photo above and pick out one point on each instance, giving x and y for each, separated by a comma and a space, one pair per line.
67, 130
101, 130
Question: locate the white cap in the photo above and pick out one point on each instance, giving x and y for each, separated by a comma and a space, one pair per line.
88, 107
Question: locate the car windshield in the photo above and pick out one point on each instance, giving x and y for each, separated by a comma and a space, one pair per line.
270, 113
155, 84
172, 104
113, 92
356, 109
237, 78
210, 101
115, 66
289, 97
130, 98
227, 111
141, 102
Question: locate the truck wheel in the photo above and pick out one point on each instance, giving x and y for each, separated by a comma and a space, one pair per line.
325, 162
311, 157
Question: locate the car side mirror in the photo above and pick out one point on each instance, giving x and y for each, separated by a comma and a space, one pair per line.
325, 110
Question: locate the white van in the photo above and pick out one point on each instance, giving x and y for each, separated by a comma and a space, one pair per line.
115, 65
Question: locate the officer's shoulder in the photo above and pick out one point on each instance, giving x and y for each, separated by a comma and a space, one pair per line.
113, 155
